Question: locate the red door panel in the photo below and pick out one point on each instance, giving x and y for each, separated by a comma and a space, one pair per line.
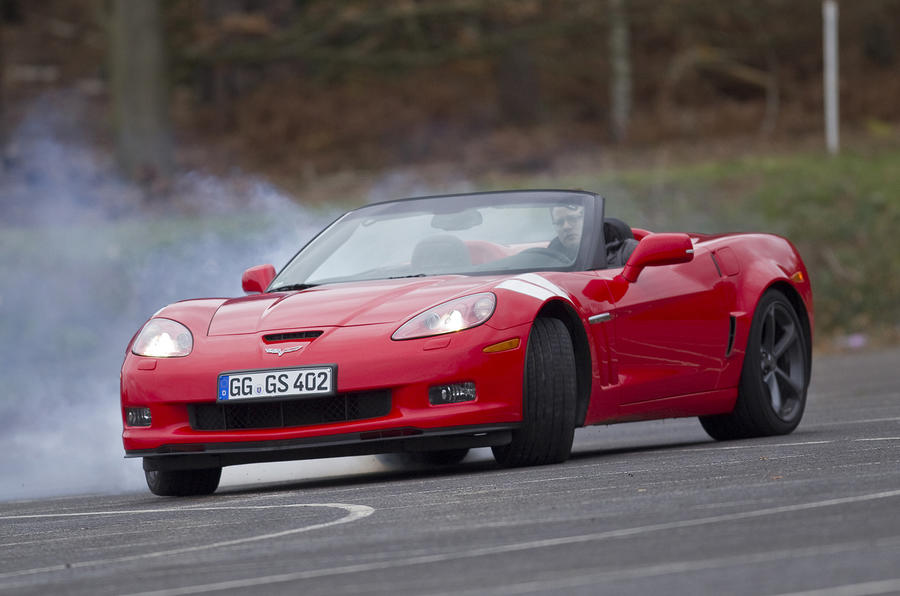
671, 330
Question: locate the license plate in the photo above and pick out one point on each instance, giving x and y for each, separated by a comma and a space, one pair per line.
282, 382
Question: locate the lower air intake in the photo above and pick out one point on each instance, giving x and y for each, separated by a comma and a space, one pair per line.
297, 412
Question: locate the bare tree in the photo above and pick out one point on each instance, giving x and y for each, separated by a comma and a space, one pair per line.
518, 85
3, 10
620, 70
139, 90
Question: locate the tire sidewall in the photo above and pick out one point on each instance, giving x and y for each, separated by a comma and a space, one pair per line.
549, 396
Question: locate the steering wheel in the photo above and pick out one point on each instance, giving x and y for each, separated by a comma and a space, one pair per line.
614, 245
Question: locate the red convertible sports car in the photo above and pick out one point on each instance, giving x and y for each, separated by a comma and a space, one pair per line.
433, 325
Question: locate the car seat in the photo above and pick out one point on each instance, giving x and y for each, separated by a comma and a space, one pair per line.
442, 252
620, 242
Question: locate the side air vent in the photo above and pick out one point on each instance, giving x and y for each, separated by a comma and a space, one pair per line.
732, 329
293, 336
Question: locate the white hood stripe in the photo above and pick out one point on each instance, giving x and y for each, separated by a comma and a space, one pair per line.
532, 284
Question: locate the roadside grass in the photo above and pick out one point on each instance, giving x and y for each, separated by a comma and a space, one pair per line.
842, 213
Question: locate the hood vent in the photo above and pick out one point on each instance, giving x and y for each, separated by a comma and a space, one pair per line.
293, 336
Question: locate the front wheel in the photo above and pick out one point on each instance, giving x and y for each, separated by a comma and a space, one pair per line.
775, 376
183, 483
549, 397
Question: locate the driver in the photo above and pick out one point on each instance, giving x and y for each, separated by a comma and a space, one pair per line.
568, 220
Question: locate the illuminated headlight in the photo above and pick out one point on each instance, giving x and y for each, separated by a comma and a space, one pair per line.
163, 338
449, 317
137, 416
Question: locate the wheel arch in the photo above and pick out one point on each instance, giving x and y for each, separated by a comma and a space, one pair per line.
565, 312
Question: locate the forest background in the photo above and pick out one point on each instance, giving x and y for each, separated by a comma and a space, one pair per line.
692, 114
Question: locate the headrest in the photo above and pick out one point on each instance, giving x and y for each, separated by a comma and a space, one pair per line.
442, 251
616, 230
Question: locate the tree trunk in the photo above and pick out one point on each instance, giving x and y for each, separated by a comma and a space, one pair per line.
139, 91
620, 71
518, 86
2, 98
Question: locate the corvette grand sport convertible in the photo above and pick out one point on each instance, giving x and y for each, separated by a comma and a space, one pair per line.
429, 326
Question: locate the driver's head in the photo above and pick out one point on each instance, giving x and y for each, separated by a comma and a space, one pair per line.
568, 220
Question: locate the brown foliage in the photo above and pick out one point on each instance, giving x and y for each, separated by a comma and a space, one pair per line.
299, 88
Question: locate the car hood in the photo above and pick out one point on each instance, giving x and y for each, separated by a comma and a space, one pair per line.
340, 305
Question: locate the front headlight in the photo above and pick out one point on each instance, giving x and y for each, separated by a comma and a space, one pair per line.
455, 315
163, 338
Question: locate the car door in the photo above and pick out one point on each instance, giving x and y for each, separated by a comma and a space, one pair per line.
671, 330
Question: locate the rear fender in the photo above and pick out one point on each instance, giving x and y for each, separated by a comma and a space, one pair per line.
766, 262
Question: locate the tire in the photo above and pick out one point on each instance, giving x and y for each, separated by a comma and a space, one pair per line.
549, 398
774, 378
412, 459
183, 483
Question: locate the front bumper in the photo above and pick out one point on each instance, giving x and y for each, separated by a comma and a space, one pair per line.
367, 360
213, 455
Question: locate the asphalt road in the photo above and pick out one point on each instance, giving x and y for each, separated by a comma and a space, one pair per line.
649, 508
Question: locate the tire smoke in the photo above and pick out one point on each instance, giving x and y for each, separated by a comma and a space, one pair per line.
84, 263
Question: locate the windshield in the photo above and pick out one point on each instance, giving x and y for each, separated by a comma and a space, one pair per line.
456, 234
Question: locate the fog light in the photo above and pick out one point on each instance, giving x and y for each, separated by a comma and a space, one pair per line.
137, 416
451, 394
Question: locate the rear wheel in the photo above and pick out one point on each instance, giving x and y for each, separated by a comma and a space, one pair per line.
548, 420
775, 376
183, 483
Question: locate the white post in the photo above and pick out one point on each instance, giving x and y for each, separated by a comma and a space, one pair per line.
830, 36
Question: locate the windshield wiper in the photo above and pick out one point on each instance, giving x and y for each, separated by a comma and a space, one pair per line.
296, 287
292, 287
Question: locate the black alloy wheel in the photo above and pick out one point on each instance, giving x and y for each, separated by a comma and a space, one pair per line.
782, 362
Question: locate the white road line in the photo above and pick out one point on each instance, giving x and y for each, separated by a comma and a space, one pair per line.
573, 580
864, 421
771, 445
508, 548
862, 589
764, 445
755, 445
170, 510
354, 512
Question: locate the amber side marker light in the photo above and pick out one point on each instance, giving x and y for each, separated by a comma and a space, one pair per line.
510, 344
797, 277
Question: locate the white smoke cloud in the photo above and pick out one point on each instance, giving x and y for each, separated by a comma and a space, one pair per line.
86, 257
82, 269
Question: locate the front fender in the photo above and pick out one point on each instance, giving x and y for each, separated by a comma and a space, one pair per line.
520, 299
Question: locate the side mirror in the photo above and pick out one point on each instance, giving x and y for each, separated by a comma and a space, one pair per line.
658, 249
256, 279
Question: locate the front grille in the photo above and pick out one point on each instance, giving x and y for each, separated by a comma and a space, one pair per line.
296, 412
